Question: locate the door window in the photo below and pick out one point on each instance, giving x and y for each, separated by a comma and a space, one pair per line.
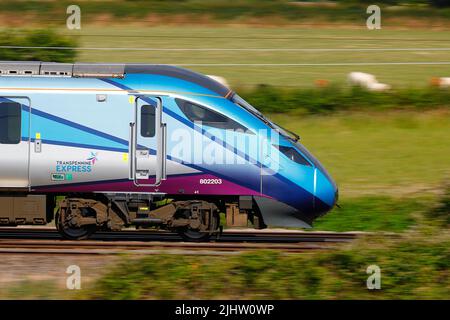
10, 122
147, 121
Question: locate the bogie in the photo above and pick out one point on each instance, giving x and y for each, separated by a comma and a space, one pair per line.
194, 220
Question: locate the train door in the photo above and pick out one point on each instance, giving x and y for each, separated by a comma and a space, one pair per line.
14, 141
148, 142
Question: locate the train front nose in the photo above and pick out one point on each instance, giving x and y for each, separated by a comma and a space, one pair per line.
290, 205
326, 192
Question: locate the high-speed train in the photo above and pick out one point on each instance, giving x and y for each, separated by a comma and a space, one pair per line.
108, 146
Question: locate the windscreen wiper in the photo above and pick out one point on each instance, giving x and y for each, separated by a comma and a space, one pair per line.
296, 136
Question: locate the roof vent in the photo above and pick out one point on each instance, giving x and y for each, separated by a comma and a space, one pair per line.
56, 69
98, 70
78, 70
19, 68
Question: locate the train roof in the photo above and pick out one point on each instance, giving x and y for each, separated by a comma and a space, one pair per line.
102, 70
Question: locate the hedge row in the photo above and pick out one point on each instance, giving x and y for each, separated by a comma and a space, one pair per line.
21, 47
331, 99
349, 10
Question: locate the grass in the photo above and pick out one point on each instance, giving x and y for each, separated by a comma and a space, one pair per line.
414, 267
393, 153
440, 212
243, 76
389, 165
31, 289
376, 213
245, 37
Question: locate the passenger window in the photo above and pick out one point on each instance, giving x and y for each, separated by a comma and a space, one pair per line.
147, 121
10, 122
208, 117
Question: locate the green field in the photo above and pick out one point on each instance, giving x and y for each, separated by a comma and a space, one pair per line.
244, 74
392, 153
281, 56
388, 166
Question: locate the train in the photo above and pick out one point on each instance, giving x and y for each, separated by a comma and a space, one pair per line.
95, 146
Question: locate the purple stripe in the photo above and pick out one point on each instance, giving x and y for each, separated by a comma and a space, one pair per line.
188, 184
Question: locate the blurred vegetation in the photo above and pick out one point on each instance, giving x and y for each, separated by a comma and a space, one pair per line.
413, 267
334, 98
36, 38
441, 211
373, 213
227, 10
388, 214
436, 3
31, 289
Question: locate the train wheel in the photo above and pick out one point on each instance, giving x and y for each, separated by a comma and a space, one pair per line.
73, 233
191, 235
194, 236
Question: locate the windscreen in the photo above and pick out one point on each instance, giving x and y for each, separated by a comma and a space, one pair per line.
247, 106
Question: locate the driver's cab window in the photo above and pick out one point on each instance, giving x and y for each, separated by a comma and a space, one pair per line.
207, 117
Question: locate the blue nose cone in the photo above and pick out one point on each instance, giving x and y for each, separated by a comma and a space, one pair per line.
325, 191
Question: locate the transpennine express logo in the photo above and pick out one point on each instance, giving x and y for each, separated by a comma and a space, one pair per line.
93, 157
76, 166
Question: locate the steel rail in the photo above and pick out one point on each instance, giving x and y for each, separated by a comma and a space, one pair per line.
253, 236
65, 247
47, 241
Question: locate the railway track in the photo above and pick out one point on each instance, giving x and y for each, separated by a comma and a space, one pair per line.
48, 241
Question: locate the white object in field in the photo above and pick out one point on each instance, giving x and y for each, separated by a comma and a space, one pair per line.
378, 86
367, 80
220, 80
444, 82
361, 78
